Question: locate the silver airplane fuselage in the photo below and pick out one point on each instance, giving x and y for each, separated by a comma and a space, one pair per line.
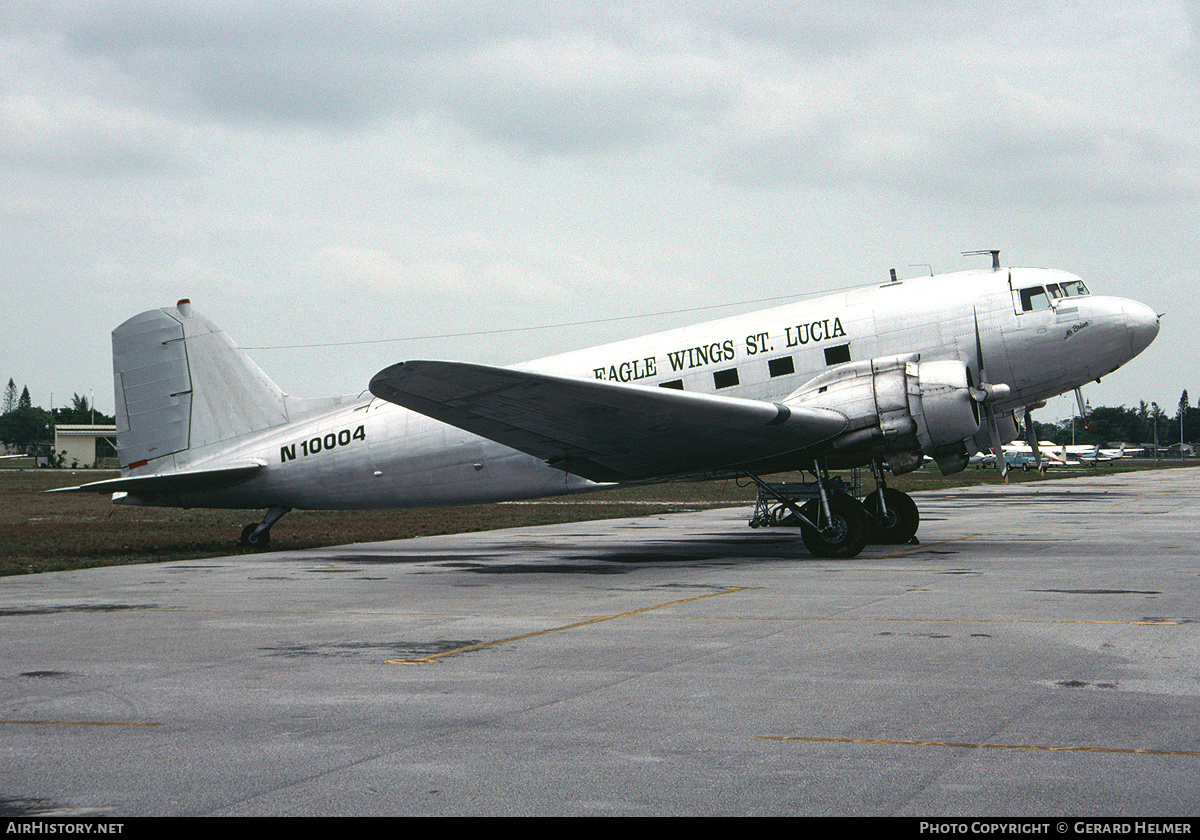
358, 452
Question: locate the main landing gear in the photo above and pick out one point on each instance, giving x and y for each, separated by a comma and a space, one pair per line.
257, 535
835, 524
894, 515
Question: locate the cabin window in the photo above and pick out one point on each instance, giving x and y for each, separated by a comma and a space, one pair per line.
725, 378
781, 366
677, 384
837, 355
1034, 297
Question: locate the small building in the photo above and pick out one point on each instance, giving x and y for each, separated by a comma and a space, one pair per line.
85, 445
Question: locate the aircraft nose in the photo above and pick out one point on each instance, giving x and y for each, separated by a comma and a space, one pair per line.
1142, 324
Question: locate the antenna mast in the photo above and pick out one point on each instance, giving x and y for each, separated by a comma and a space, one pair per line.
995, 257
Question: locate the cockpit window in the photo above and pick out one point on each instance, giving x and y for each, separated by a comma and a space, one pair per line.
1074, 288
1054, 291
1034, 297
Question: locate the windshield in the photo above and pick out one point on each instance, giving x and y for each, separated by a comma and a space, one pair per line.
1034, 297
1044, 297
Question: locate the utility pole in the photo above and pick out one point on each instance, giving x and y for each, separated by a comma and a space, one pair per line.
1154, 414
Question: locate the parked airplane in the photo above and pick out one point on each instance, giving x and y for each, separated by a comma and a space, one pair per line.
1089, 456
878, 376
1099, 455
1053, 454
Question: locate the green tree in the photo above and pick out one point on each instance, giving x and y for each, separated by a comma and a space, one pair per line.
1159, 433
23, 401
81, 412
1142, 432
26, 425
1113, 424
10, 397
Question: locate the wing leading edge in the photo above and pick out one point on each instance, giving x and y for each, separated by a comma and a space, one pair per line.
606, 431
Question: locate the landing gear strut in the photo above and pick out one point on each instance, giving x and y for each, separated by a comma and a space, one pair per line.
257, 535
832, 525
842, 533
894, 515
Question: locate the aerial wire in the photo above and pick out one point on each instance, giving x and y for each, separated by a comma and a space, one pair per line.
539, 326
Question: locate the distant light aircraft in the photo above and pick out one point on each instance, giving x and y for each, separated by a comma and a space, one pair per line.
1088, 456
1098, 455
1053, 454
878, 376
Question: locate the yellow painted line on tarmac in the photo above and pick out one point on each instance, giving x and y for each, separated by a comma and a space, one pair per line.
367, 613
839, 618
411, 614
1043, 747
902, 620
76, 723
434, 658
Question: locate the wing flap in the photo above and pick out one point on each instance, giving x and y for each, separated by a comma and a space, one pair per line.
605, 431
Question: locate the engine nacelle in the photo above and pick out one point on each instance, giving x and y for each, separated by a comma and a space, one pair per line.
899, 409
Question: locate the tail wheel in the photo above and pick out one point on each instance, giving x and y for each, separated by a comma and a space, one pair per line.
844, 535
260, 541
899, 524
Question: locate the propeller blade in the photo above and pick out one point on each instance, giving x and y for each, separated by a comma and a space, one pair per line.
1031, 436
981, 389
986, 394
997, 448
978, 350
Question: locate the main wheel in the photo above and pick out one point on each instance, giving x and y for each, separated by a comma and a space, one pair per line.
844, 536
900, 523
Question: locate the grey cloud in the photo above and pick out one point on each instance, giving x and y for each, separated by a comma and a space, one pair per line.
339, 65
575, 79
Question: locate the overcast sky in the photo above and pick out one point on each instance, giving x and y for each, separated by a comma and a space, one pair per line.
318, 173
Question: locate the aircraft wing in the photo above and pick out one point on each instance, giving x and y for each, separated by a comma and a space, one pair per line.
606, 431
171, 482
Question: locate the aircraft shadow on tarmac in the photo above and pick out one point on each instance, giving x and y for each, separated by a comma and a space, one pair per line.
617, 559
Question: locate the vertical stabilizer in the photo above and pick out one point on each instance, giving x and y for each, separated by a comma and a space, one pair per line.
184, 390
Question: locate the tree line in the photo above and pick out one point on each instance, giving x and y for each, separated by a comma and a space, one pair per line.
1148, 423
23, 424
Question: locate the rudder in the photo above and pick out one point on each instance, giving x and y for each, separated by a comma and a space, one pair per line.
183, 389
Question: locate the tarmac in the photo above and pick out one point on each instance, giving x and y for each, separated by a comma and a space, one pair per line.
1037, 655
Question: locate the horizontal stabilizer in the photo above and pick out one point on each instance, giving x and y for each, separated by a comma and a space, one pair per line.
170, 482
606, 431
